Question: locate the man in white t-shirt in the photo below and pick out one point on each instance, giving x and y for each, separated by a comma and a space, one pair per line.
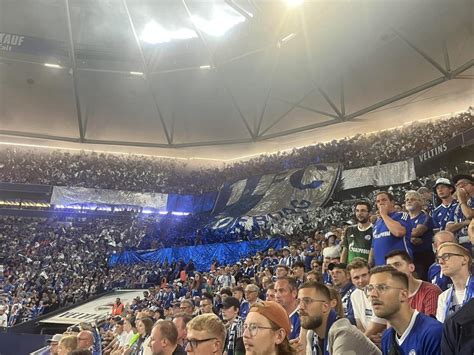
455, 262
365, 318
3, 317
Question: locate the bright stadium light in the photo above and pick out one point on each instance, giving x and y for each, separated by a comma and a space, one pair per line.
294, 3
205, 67
137, 73
50, 65
154, 33
223, 18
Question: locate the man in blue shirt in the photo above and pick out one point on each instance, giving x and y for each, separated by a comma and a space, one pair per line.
286, 295
464, 211
421, 234
410, 332
392, 231
444, 213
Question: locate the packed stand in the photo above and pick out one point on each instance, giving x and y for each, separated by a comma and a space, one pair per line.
147, 174
398, 280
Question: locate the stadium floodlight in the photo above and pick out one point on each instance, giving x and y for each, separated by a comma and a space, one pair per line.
294, 3
223, 19
137, 73
154, 33
205, 67
51, 65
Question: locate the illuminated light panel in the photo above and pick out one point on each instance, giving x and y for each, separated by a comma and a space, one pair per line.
205, 67
137, 73
154, 33
288, 38
51, 65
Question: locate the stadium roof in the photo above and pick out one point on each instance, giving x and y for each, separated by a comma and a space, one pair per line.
248, 76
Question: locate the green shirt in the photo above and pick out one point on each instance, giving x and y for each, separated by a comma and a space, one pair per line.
358, 242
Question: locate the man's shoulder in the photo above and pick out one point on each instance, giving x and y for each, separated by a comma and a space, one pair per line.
343, 336
427, 324
428, 287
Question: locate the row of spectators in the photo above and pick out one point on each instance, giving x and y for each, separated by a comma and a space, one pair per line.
132, 173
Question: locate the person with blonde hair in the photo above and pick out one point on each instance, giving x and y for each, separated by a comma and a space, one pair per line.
67, 344
205, 335
266, 330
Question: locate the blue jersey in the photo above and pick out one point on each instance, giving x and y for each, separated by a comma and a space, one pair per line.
424, 219
384, 242
437, 278
444, 214
308, 259
244, 309
295, 325
423, 337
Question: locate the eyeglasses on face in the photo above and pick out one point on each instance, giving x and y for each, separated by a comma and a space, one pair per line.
193, 343
253, 328
446, 256
308, 300
380, 288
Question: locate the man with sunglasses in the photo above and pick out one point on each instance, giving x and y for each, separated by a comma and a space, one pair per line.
205, 335
410, 332
327, 334
456, 262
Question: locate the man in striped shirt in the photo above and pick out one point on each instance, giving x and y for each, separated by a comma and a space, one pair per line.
422, 295
234, 325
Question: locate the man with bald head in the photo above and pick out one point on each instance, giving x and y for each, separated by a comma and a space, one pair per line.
85, 340
435, 276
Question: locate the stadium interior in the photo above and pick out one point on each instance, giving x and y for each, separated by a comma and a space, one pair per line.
158, 155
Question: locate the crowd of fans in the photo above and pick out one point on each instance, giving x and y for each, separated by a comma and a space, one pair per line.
147, 174
356, 288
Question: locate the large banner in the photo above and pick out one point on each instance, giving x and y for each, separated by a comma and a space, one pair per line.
66, 196
202, 255
380, 175
268, 197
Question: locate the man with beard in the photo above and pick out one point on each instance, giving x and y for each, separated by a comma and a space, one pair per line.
410, 332
358, 238
327, 334
421, 234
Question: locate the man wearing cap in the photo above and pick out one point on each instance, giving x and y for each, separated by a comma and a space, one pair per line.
327, 334
456, 262
391, 231
234, 326
445, 211
358, 238
341, 281
266, 330
53, 344
464, 211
